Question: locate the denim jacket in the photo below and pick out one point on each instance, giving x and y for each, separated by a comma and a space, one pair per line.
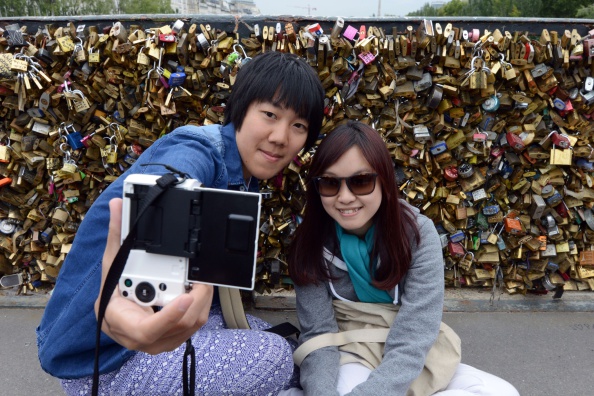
66, 334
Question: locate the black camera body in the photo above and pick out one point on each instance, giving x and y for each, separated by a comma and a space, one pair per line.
189, 234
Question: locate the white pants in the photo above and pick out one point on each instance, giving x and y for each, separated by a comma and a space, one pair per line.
467, 381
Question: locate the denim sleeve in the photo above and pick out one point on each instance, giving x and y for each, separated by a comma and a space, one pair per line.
66, 334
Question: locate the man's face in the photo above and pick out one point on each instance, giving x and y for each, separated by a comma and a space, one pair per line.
269, 138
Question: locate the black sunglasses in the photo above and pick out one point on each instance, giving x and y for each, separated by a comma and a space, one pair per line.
328, 186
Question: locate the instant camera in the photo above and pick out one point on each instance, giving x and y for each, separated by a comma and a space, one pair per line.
189, 234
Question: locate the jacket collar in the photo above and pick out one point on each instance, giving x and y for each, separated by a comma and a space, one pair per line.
233, 161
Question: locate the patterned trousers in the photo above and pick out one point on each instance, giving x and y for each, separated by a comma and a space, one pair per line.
228, 362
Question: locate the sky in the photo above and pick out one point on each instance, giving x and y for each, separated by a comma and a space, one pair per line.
343, 8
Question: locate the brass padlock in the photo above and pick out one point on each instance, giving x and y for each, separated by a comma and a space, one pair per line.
4, 154
560, 156
465, 263
60, 216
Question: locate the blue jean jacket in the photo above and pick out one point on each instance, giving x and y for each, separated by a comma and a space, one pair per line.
66, 334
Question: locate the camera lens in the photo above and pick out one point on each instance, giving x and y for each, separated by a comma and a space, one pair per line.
145, 292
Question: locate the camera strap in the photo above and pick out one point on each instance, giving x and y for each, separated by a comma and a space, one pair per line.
162, 184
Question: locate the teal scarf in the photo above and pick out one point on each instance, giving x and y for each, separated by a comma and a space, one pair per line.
356, 254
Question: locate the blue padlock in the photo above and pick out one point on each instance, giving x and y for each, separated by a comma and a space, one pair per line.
177, 79
457, 236
506, 170
554, 199
438, 148
74, 138
491, 210
585, 165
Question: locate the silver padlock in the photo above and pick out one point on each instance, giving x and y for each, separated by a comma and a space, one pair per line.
421, 134
588, 84
424, 83
479, 195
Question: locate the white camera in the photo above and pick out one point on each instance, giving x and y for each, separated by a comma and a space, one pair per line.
189, 234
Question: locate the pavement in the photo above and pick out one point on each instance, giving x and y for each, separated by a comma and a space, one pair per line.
540, 345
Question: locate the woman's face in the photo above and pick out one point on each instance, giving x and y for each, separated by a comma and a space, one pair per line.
353, 212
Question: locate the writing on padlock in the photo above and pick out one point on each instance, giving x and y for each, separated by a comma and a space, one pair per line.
177, 79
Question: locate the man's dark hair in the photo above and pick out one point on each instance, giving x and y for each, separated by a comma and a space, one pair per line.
284, 80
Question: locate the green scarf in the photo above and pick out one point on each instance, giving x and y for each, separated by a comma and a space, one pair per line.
356, 254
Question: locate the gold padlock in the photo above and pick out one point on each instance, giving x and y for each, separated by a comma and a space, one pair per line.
560, 156
60, 216
4, 154
94, 57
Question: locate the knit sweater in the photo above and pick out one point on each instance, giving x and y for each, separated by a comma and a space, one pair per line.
420, 296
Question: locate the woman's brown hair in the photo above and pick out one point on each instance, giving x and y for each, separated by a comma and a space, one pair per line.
395, 224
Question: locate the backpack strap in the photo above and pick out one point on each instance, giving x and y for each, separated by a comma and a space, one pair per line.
234, 314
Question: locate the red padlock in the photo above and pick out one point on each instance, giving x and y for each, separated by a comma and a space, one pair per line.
450, 173
562, 210
167, 38
362, 32
560, 140
568, 106
456, 250
514, 141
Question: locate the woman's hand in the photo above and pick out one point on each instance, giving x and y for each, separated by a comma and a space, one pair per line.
139, 328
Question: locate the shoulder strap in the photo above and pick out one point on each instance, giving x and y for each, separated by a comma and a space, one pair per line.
232, 308
338, 339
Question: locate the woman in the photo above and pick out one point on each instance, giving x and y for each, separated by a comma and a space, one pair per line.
360, 243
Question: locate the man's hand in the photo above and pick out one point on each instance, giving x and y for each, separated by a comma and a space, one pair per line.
139, 328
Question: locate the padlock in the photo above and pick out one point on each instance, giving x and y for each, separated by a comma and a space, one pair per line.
450, 173
350, 33
457, 237
60, 216
438, 147
177, 79
367, 57
167, 38
315, 29
4, 154
73, 138
493, 237
479, 195
421, 133
512, 226
456, 250
464, 263
514, 141
490, 210
465, 170
424, 83
560, 140
109, 154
